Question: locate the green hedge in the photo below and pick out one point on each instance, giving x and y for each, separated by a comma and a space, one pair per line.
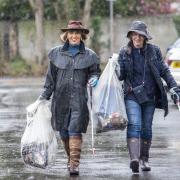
176, 20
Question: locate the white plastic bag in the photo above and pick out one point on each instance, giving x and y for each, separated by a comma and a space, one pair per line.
109, 111
39, 143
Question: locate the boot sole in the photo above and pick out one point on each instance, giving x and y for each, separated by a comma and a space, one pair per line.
146, 169
134, 166
74, 173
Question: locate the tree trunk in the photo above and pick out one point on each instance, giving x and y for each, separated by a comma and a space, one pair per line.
66, 9
1, 46
38, 8
57, 12
5, 45
13, 40
86, 17
87, 13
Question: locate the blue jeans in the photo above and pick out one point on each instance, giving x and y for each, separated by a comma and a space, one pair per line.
65, 134
140, 117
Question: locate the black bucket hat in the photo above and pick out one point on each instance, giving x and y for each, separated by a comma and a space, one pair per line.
140, 28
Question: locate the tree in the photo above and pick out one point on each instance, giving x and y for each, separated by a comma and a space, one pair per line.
38, 9
11, 12
148, 7
57, 12
95, 39
87, 12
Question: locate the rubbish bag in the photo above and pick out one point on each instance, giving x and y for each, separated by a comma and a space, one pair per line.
39, 143
109, 111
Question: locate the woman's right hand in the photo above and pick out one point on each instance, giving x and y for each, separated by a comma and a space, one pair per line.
32, 108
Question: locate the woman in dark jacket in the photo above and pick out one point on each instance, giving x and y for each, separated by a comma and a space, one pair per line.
141, 68
71, 67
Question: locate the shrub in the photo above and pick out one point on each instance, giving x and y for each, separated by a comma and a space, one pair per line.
18, 67
176, 20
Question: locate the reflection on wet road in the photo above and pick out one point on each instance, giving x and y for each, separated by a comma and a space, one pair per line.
111, 159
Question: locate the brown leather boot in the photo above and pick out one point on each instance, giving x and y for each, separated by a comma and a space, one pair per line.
133, 147
75, 151
65, 142
144, 154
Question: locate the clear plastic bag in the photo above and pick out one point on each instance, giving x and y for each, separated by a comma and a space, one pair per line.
39, 143
109, 111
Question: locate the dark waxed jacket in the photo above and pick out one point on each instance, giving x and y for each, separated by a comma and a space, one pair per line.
67, 79
157, 67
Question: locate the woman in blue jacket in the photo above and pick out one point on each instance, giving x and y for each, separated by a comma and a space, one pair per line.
141, 68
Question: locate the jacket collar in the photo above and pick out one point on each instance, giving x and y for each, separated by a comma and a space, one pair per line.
66, 45
129, 48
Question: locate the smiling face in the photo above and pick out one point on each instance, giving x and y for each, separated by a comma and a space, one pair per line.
74, 36
137, 39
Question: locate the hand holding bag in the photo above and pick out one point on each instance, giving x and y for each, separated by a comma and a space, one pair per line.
39, 143
108, 100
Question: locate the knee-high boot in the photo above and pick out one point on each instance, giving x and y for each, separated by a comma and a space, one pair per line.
75, 143
65, 142
144, 154
134, 151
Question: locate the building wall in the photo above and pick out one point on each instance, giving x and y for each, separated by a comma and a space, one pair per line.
162, 29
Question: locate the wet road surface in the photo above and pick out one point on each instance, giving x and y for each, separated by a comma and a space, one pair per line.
111, 160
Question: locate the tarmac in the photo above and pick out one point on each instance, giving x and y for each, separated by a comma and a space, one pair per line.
111, 159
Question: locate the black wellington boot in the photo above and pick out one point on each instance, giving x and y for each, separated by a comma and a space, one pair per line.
144, 155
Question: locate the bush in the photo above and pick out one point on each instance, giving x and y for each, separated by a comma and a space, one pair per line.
96, 43
17, 67
176, 20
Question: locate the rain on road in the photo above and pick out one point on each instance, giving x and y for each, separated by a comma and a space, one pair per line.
111, 159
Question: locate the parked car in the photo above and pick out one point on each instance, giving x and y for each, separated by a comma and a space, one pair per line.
172, 59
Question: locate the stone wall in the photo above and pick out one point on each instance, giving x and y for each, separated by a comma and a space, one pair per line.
161, 28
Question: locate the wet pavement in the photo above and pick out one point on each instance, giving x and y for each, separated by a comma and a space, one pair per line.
111, 160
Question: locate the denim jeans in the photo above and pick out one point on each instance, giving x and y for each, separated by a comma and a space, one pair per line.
65, 134
140, 117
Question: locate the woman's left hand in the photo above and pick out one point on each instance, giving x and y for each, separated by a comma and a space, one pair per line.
93, 81
175, 92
